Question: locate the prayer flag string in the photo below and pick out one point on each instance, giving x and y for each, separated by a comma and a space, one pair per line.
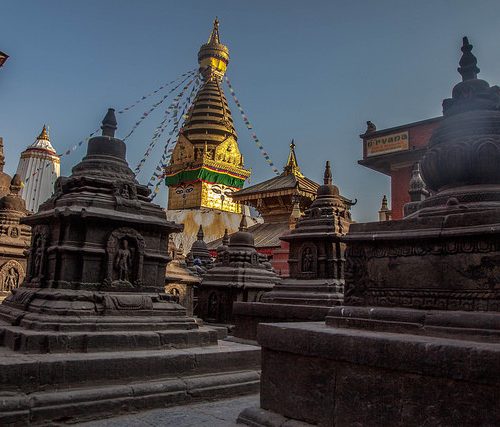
249, 126
155, 105
164, 86
170, 114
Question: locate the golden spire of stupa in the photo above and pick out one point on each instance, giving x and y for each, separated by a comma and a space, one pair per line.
292, 166
44, 134
213, 56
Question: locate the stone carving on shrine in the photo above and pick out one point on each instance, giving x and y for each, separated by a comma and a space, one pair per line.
417, 341
93, 304
316, 263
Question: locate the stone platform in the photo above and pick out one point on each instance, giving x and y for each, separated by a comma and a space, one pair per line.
46, 388
247, 317
323, 375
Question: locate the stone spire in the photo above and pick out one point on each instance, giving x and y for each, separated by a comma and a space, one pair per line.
468, 63
417, 189
225, 238
243, 223
109, 124
327, 177
476, 106
292, 166
4, 178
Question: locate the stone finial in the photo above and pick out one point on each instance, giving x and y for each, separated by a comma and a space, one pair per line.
370, 127
243, 223
225, 238
109, 123
384, 206
468, 63
2, 157
200, 234
16, 184
327, 177
417, 189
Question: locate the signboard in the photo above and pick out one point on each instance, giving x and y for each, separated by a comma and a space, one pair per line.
387, 144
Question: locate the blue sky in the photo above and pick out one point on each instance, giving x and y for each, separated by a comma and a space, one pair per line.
314, 71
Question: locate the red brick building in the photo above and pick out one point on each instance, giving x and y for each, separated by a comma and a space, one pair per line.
393, 152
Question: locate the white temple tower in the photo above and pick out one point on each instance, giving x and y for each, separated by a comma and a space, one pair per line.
39, 167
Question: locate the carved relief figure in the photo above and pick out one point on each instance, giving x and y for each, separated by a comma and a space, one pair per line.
123, 261
307, 260
14, 232
212, 305
11, 276
11, 280
38, 254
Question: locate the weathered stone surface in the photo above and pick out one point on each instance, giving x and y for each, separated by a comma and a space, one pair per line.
418, 342
316, 260
334, 376
240, 274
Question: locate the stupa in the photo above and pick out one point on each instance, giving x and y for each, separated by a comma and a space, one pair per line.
316, 262
207, 167
39, 168
240, 274
418, 339
91, 330
14, 238
180, 282
280, 201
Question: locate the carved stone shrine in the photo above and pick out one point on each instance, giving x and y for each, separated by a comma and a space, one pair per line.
180, 282
14, 239
91, 330
316, 264
418, 340
240, 274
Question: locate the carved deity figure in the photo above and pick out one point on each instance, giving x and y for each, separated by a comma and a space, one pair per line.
125, 193
212, 305
14, 233
123, 261
307, 260
11, 280
37, 262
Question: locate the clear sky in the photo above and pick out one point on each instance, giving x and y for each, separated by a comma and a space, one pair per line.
314, 71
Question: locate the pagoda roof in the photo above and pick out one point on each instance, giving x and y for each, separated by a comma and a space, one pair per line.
284, 182
290, 180
266, 235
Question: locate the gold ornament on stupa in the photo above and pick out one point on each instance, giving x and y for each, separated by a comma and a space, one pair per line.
206, 167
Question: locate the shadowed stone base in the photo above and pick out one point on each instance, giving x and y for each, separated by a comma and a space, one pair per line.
315, 373
247, 316
65, 387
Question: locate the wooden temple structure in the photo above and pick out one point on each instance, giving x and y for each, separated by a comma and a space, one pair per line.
281, 201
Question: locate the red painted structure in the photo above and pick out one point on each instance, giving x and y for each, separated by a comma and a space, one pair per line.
397, 162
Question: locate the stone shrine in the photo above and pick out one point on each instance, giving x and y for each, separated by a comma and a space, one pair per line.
240, 274
316, 262
180, 282
280, 200
14, 239
91, 331
418, 341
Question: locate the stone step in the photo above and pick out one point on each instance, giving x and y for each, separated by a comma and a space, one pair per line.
83, 404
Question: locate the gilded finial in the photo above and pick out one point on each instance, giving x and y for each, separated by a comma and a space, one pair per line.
327, 178
109, 124
292, 165
44, 134
468, 62
214, 35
